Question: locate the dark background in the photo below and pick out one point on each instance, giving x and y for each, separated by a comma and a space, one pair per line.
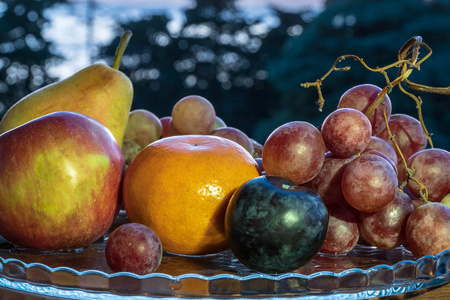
252, 78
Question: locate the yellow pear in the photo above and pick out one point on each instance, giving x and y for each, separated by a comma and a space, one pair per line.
101, 92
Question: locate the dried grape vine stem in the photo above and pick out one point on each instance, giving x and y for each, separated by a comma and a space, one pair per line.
408, 61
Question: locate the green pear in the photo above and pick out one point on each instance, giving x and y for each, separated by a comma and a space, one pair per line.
101, 92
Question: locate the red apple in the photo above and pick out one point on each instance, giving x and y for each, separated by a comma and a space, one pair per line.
60, 182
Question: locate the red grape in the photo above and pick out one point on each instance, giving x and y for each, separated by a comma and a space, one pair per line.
328, 181
428, 229
401, 172
346, 132
361, 97
295, 151
385, 229
343, 233
133, 247
235, 135
193, 115
381, 154
168, 129
381, 145
408, 134
432, 169
165, 121
369, 183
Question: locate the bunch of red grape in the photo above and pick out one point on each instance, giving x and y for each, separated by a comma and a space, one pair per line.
352, 162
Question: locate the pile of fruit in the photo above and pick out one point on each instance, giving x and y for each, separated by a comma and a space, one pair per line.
72, 155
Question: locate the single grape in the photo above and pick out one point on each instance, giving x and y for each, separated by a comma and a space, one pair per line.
428, 229
328, 181
408, 134
135, 248
165, 122
401, 172
432, 169
381, 145
385, 229
360, 97
235, 135
407, 192
219, 123
193, 115
295, 151
417, 202
381, 154
257, 148
346, 132
168, 129
369, 183
143, 127
343, 233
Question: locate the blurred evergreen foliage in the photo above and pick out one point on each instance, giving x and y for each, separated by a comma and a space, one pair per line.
374, 30
218, 54
24, 53
250, 69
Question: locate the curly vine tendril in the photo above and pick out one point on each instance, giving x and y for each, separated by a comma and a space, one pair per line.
408, 61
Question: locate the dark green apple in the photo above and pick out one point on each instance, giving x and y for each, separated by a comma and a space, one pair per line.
275, 226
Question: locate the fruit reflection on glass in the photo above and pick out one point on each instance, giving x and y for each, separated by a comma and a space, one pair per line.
180, 187
60, 184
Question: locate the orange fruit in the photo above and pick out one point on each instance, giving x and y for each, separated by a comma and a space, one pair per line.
180, 187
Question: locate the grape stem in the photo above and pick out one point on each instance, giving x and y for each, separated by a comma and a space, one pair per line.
408, 61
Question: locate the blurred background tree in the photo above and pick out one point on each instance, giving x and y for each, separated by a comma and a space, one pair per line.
250, 67
24, 54
218, 53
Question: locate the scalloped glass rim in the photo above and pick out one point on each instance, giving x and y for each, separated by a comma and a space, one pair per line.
353, 283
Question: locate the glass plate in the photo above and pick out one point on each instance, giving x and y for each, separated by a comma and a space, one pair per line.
365, 272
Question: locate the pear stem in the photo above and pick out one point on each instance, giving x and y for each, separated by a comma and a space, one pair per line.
124, 39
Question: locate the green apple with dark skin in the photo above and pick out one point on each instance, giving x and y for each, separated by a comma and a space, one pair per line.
60, 182
274, 225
